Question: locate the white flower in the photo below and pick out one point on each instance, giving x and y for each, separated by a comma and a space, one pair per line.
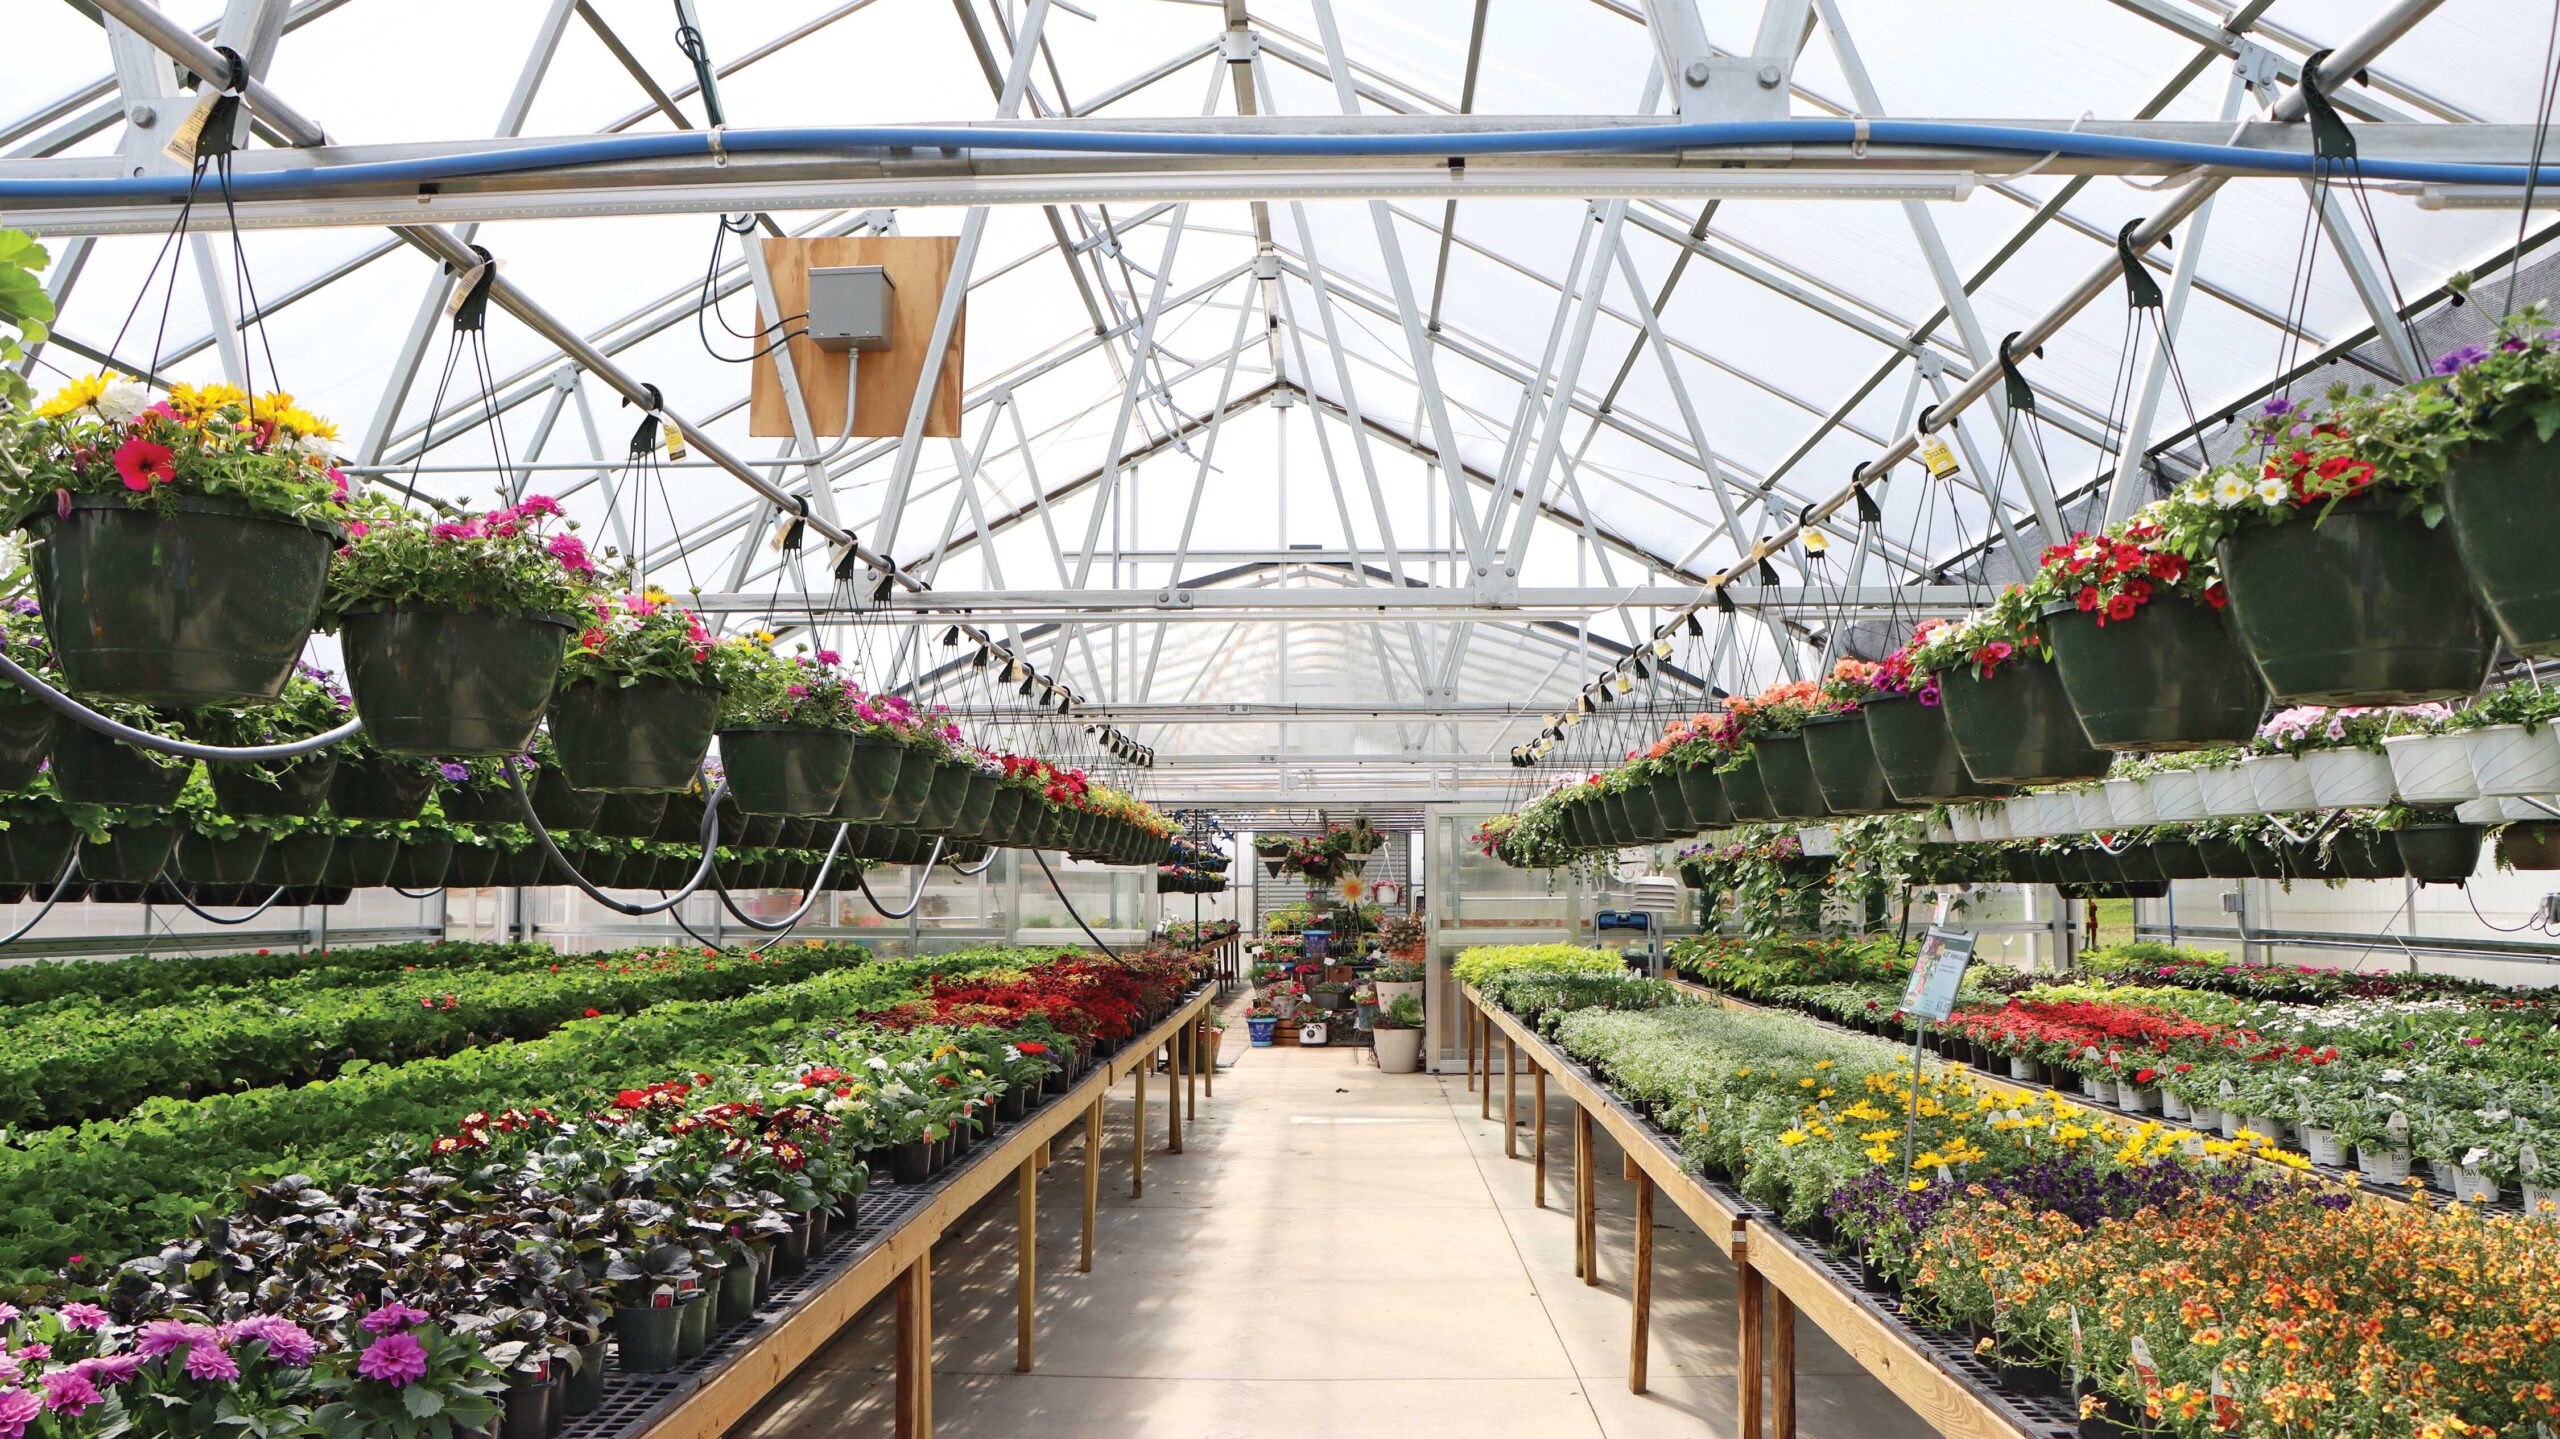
121, 400
2273, 491
2230, 490
317, 447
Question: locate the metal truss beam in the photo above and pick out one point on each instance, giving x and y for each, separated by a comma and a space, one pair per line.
1202, 599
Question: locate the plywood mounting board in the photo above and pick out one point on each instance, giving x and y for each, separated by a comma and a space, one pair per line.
918, 266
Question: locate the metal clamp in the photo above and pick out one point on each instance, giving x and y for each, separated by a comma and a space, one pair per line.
2141, 291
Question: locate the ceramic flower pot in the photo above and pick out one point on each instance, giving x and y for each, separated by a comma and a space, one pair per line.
2431, 768
1845, 764
2505, 759
190, 601
456, 683
785, 769
2018, 727
1399, 1050
2362, 605
2349, 778
2173, 677
648, 735
1786, 769
373, 786
89, 768
26, 733
2279, 783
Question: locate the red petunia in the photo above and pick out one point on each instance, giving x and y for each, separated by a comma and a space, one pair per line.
145, 463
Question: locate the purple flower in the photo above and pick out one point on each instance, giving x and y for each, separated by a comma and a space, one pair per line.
2276, 407
18, 1409
111, 1369
288, 1343
83, 1316
209, 1362
2454, 362
394, 1315
168, 1336
454, 772
34, 1354
394, 1359
68, 1391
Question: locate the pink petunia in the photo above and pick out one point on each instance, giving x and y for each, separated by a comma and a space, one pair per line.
571, 552
144, 463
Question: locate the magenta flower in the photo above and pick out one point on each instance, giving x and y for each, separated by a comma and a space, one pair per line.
83, 1316
571, 552
18, 1409
68, 1391
209, 1363
107, 1371
8, 1312
394, 1359
828, 657
168, 1336
288, 1343
537, 505
394, 1315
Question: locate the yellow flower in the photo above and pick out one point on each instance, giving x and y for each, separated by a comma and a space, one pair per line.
1915, 1186
76, 395
1792, 1137
766, 637
1804, 1084
196, 402
1822, 1064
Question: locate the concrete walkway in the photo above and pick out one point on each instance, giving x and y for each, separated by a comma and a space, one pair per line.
1340, 1253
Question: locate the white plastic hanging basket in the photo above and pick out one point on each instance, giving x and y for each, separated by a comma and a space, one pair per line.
1966, 824
2481, 811
2281, 783
2091, 810
1994, 819
2349, 778
2227, 791
2177, 796
2431, 768
2506, 759
2131, 801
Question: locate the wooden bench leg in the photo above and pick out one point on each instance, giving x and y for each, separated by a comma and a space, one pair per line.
1191, 1048
1484, 1022
1027, 1279
1138, 1134
1538, 1125
1753, 1333
1467, 1041
1092, 1178
1176, 1075
1782, 1366
1586, 1182
1510, 1097
915, 1350
1640, 1311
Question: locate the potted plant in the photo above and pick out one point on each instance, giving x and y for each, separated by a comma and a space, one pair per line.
1907, 728
786, 736
1835, 739
1398, 1035
1261, 1019
407, 1376
179, 546
2341, 589
92, 768
26, 723
2142, 643
2511, 744
2012, 720
312, 703
454, 629
215, 846
371, 784
40, 829
1398, 979
639, 694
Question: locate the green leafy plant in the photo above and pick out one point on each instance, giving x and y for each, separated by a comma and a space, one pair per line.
522, 559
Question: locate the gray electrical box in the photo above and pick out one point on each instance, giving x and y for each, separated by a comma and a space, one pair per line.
849, 307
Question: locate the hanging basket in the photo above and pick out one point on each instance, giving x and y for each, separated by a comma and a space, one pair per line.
2173, 677
978, 808
784, 769
1744, 791
1705, 797
33, 852
90, 768
375, 786
629, 816
2500, 509
302, 786
422, 864
872, 777
26, 734
559, 805
1917, 752
1671, 806
361, 861
190, 601
2522, 846
950, 790
474, 866
1787, 771
2017, 727
1644, 822
203, 859
646, 736
457, 683
1844, 764
130, 854
2439, 853
2362, 606
295, 861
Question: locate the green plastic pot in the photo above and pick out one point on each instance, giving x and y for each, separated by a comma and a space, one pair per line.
202, 859
2173, 677
479, 803
422, 864
296, 861
872, 777
559, 805
2522, 846
1745, 792
455, 683
1032, 823
1917, 752
524, 867
1003, 817
2178, 859
978, 808
582, 1391
737, 1297
1787, 772
1580, 820
1704, 796
916, 776
645, 1337
2365, 606
2365, 854
2438, 853
603, 865
648, 735
2499, 508
2018, 727
33, 852
2135, 862
187, 602
361, 861
475, 866
1844, 764
26, 733
1612, 826
1672, 807
373, 786
130, 854
950, 788
301, 787
1644, 822
694, 1309
785, 769
680, 822
629, 816
89, 768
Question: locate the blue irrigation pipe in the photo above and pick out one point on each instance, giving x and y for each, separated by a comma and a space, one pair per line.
1577, 140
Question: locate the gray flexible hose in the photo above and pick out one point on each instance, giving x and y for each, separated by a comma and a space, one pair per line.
71, 709
70, 867
560, 862
816, 887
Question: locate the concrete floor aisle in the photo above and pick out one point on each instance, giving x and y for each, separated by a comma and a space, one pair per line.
1339, 1253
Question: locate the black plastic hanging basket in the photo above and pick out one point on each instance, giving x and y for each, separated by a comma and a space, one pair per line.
458, 683
648, 736
2363, 605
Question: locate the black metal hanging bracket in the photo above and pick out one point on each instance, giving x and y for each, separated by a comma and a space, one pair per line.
1869, 512
2141, 292
644, 440
2022, 396
2331, 139
471, 307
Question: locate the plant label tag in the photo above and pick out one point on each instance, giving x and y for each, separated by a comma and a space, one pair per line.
675, 438
2146, 1371
1941, 460
190, 131
1937, 972
2226, 1409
